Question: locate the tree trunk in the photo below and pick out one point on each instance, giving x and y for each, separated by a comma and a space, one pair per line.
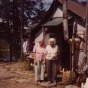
16, 23
22, 23
7, 27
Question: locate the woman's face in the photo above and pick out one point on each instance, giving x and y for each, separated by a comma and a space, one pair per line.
41, 42
51, 43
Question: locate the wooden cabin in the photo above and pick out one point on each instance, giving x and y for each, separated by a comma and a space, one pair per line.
52, 26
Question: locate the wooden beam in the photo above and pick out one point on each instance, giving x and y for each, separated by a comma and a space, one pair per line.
43, 30
65, 19
22, 24
10, 51
86, 38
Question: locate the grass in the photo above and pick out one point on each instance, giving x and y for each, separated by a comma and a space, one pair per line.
63, 86
22, 66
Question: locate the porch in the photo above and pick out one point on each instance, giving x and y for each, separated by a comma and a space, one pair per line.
54, 29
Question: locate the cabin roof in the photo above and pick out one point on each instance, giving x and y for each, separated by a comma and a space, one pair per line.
73, 6
54, 22
76, 8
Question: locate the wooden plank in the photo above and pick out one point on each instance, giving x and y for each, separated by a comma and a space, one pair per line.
86, 30
65, 20
43, 30
22, 24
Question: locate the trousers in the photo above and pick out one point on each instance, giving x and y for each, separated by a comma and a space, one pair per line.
39, 70
51, 70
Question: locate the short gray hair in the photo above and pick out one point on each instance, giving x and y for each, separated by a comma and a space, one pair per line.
40, 39
52, 39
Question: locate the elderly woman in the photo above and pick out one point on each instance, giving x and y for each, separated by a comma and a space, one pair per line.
81, 77
39, 62
51, 56
82, 56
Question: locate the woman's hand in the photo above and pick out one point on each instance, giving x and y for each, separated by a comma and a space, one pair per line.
56, 55
35, 62
44, 59
44, 62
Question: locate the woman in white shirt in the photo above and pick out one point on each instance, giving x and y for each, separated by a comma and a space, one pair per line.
51, 56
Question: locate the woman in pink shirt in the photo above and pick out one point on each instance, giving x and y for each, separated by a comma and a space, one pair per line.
39, 61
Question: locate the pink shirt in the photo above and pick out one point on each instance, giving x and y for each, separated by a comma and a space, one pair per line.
39, 51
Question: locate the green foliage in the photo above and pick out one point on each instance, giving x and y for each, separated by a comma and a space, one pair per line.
33, 10
11, 13
16, 14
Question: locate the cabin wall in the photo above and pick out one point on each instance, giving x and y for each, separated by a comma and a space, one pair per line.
63, 45
58, 12
46, 39
39, 35
78, 25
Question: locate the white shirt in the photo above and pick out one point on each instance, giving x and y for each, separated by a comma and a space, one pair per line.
51, 51
25, 46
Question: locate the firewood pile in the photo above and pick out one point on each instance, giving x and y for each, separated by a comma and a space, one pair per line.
66, 77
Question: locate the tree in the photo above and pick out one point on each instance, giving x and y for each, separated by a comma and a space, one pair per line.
16, 14
39, 13
22, 23
33, 11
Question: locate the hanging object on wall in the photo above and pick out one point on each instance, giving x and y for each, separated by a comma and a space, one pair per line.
81, 33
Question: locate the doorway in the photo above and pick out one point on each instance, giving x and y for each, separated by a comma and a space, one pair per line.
65, 54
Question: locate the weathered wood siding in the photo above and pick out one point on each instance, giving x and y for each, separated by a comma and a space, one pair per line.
38, 35
78, 25
58, 12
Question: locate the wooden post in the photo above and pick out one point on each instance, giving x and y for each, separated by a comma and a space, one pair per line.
7, 27
86, 33
72, 59
22, 24
65, 20
70, 63
16, 24
43, 30
10, 51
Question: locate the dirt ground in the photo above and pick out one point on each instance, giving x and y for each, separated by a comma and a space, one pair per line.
11, 77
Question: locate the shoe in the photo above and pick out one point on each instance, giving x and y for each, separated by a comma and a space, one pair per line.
38, 82
49, 82
54, 83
